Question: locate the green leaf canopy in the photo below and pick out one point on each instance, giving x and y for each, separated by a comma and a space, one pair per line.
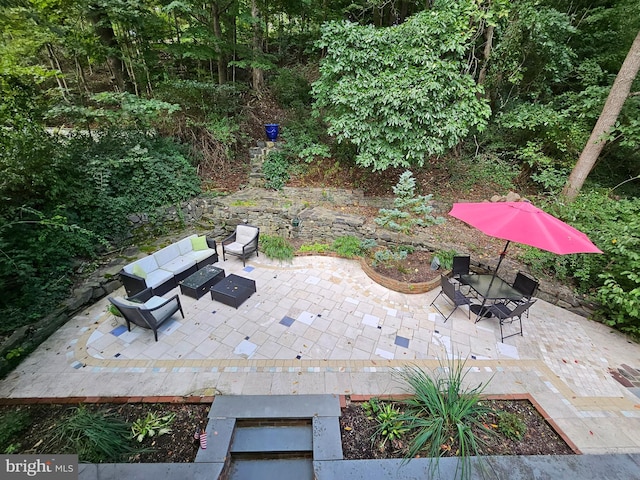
401, 93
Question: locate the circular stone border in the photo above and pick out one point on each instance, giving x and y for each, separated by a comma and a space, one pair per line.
397, 286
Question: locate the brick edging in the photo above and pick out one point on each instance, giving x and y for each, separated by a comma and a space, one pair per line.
511, 396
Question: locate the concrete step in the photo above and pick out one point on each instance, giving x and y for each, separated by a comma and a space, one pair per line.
282, 469
275, 406
271, 439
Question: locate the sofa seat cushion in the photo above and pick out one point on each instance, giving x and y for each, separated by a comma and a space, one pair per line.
200, 255
167, 255
179, 264
235, 247
158, 277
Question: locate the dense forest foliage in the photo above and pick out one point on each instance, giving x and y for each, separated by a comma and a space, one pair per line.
114, 107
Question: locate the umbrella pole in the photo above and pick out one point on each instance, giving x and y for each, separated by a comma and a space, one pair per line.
503, 253
495, 272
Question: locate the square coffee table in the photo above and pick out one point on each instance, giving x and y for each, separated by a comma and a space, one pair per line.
199, 283
233, 290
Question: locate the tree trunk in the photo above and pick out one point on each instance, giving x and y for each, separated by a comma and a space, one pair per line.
257, 73
103, 28
217, 32
488, 35
618, 94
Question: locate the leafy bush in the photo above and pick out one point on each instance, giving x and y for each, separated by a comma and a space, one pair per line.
445, 257
315, 247
389, 258
291, 89
275, 169
410, 210
303, 139
369, 73
349, 246
511, 426
12, 423
388, 417
276, 247
443, 414
614, 226
152, 425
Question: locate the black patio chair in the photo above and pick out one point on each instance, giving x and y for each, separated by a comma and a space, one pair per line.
453, 295
527, 286
461, 265
509, 315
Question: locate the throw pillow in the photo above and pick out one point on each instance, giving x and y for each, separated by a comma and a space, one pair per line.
199, 243
139, 271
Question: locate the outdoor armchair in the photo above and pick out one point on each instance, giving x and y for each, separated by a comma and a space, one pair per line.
453, 295
146, 310
241, 243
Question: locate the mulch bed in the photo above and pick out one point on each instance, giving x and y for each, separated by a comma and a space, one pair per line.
539, 439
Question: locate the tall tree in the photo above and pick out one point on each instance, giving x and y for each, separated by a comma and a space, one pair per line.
617, 96
257, 74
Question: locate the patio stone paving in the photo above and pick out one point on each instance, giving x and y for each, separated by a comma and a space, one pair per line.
320, 325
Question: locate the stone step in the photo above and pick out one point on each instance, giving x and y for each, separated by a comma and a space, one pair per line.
271, 439
299, 469
275, 406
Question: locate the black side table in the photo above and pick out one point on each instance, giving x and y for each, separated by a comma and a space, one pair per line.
233, 290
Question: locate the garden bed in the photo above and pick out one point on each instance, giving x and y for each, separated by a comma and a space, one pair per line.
539, 438
40, 432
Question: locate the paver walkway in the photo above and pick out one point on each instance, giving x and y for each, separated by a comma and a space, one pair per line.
320, 325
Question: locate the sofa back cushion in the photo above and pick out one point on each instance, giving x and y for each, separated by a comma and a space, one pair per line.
245, 233
167, 254
148, 264
185, 245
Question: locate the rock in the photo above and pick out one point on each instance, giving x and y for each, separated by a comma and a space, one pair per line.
513, 197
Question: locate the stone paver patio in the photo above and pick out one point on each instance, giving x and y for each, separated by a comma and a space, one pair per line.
320, 325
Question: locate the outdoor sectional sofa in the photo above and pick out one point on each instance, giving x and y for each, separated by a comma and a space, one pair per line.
162, 270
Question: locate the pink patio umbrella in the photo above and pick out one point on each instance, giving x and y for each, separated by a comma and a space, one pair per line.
521, 222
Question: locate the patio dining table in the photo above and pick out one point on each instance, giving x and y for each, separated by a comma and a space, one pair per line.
489, 288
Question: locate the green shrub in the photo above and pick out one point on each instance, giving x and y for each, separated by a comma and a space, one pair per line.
290, 88
389, 258
152, 425
303, 139
443, 415
348, 246
614, 226
12, 424
511, 426
275, 169
446, 258
315, 247
390, 426
276, 247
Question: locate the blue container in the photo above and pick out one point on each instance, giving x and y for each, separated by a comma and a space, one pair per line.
272, 130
